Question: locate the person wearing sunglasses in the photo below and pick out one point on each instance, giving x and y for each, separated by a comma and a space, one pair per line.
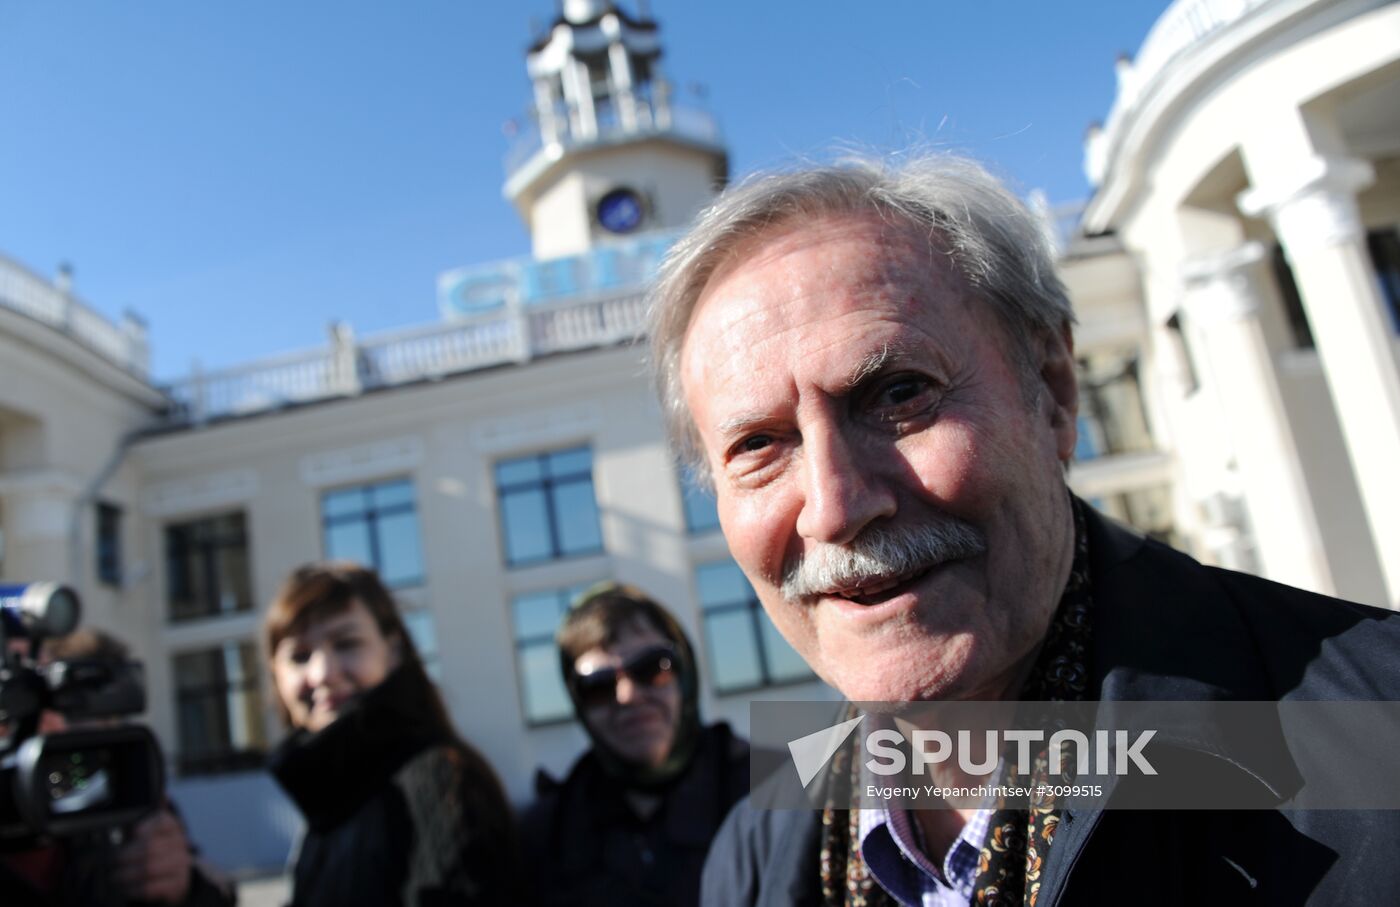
632, 822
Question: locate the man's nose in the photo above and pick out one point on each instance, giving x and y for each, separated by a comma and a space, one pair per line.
626, 690
843, 491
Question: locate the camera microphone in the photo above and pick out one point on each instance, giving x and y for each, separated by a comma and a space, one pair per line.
38, 609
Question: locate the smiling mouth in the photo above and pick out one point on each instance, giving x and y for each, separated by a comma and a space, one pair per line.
329, 704
641, 719
877, 590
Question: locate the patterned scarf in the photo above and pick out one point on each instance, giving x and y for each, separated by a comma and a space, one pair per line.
1018, 839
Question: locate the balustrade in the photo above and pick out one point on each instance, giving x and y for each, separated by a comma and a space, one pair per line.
25, 292
511, 334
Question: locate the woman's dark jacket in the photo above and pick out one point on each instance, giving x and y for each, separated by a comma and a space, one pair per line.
398, 811
587, 846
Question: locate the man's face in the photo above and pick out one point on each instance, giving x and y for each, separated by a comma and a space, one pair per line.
631, 694
846, 386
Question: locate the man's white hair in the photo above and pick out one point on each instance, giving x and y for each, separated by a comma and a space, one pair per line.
988, 236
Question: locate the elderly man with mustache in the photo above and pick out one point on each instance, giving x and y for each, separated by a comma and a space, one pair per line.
874, 365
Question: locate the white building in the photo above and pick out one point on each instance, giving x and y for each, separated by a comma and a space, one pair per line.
1249, 166
493, 464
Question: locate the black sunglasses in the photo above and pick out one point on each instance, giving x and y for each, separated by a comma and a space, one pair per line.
653, 667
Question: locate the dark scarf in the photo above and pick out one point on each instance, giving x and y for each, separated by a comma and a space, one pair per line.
1018, 840
330, 774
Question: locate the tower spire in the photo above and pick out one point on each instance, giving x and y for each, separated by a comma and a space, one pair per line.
599, 100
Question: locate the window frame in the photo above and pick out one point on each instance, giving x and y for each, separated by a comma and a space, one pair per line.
565, 597
432, 660
1383, 248
757, 615
229, 759
371, 514
107, 543
546, 484
205, 548
691, 492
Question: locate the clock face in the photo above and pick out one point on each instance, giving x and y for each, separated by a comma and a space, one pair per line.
620, 211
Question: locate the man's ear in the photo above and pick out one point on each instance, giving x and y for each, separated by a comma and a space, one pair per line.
1061, 388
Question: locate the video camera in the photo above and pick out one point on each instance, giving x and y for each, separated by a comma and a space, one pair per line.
75, 781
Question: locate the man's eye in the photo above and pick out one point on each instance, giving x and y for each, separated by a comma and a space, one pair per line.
904, 395
902, 390
754, 442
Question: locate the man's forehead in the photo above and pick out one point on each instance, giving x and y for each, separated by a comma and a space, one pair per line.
902, 243
862, 266
634, 635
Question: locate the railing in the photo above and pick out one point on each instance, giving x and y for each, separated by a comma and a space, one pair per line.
576, 326
504, 312
436, 350
263, 385
653, 116
511, 334
25, 292
1182, 27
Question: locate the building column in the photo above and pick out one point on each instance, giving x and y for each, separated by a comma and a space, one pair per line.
1317, 220
578, 87
37, 509
1222, 298
621, 67
546, 109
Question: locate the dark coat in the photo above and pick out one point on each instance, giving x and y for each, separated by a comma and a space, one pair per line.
1169, 628
398, 812
585, 846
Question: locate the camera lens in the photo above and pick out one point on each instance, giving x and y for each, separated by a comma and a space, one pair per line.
78, 781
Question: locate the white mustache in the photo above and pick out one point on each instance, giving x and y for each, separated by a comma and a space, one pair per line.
880, 554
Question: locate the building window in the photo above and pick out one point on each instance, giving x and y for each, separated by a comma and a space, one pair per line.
535, 618
547, 506
1112, 418
423, 631
207, 569
1384, 246
745, 649
219, 709
109, 543
699, 503
377, 526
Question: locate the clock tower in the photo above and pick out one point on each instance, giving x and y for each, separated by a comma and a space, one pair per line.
609, 152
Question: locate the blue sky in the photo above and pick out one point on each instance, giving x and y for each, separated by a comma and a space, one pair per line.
241, 174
